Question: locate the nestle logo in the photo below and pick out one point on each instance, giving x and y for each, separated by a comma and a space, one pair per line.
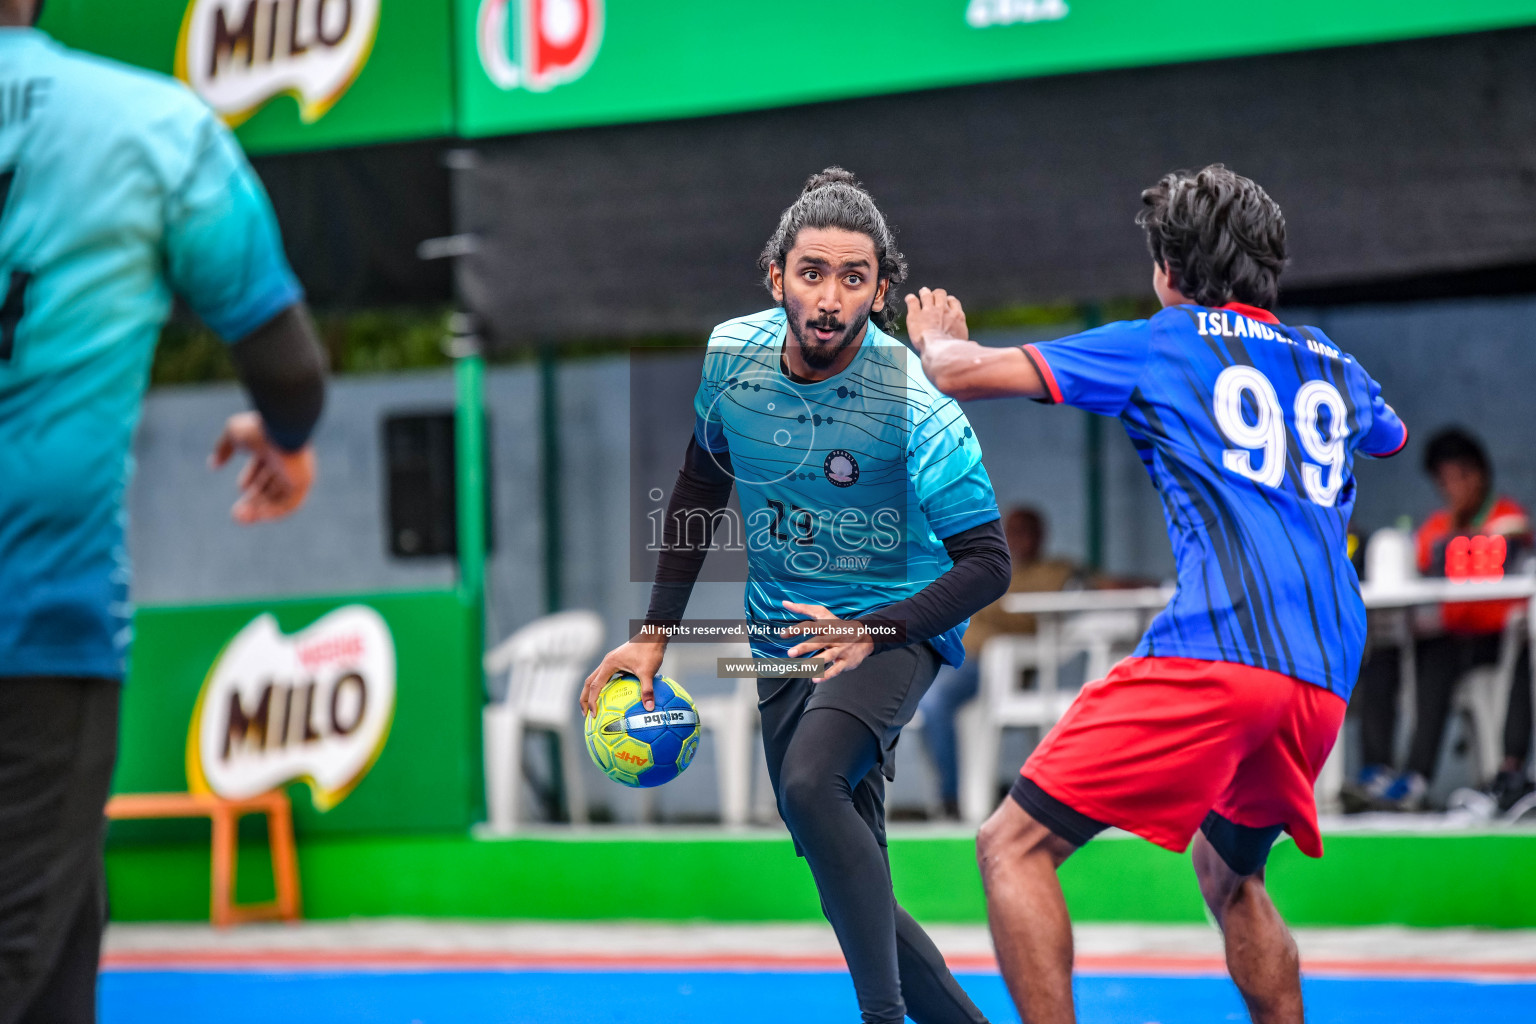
341, 648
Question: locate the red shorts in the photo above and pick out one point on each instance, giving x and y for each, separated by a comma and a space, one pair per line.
1159, 742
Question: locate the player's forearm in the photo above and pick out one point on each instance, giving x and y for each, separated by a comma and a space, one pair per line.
965, 370
282, 367
980, 575
702, 491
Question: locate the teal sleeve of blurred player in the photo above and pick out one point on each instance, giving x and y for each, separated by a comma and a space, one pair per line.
223, 252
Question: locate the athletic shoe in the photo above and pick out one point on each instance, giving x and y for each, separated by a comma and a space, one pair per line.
1406, 793
1508, 787
1474, 803
1365, 793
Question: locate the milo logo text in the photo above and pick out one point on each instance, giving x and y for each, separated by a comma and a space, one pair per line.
316, 705
238, 54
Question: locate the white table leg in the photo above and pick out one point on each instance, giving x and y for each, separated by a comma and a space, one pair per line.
1408, 681
1530, 651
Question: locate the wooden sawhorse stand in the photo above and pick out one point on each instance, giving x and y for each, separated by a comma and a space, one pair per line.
225, 816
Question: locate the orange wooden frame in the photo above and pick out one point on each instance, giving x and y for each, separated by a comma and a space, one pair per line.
225, 816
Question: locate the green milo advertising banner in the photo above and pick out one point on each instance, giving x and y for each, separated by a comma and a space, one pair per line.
288, 74
311, 74
526, 65
365, 707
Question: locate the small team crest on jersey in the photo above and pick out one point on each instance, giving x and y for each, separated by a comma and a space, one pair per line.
841, 468
537, 44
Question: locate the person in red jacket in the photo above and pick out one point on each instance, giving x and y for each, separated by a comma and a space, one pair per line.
1479, 534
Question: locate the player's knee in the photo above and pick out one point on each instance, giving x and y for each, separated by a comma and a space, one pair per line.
1229, 860
1218, 882
1010, 835
804, 792
992, 845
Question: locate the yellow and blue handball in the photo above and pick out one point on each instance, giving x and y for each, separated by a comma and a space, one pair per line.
639, 747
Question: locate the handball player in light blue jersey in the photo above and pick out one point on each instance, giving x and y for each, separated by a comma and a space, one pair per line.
872, 534
119, 189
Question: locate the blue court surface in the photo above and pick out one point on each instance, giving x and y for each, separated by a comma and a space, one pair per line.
713, 996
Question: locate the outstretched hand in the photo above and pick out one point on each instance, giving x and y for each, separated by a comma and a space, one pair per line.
273, 483
934, 313
842, 643
959, 367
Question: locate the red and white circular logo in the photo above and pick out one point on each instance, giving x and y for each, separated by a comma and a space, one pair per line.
538, 44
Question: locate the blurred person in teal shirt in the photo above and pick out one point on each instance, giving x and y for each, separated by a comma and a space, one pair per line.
119, 190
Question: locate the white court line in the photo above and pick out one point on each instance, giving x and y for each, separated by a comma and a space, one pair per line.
414, 944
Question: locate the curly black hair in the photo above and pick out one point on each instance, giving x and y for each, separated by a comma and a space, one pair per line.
1218, 234
1456, 444
834, 198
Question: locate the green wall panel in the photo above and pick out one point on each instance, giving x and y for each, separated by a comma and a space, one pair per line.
1422, 880
428, 776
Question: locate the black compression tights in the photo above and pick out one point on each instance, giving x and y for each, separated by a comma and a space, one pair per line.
896, 968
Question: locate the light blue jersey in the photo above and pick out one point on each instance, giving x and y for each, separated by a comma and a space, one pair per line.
847, 485
119, 188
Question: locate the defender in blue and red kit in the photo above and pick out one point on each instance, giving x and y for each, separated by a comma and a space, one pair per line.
1217, 727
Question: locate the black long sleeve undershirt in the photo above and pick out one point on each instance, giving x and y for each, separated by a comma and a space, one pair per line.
703, 485
980, 574
282, 367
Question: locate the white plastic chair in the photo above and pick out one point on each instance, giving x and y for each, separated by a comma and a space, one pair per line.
1001, 704
1105, 636
729, 714
545, 662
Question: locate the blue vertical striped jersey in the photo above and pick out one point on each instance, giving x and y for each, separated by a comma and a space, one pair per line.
1248, 429
118, 189
848, 484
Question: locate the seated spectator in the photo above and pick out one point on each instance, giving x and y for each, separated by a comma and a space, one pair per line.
1476, 534
952, 687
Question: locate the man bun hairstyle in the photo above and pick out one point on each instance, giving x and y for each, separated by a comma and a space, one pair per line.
834, 198
1218, 234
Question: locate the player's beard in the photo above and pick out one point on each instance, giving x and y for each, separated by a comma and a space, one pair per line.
818, 354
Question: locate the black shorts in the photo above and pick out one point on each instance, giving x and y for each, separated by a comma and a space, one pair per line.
883, 693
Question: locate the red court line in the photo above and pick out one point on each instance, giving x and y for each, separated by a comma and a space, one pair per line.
470, 960
1314, 967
